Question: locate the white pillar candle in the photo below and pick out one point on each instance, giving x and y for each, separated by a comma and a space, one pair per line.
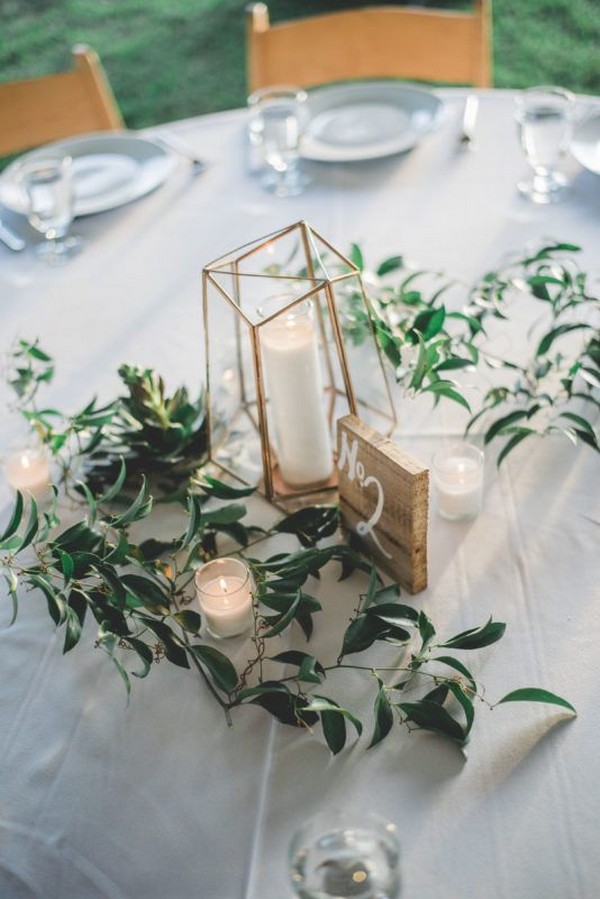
296, 397
28, 470
457, 474
224, 591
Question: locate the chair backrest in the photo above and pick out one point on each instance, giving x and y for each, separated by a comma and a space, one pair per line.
39, 110
374, 42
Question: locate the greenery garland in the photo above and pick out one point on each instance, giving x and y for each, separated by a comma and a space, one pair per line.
141, 594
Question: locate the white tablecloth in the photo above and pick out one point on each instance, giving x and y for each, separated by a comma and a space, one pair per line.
159, 798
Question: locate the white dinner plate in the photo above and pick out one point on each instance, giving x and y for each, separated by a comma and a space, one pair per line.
110, 169
367, 120
585, 145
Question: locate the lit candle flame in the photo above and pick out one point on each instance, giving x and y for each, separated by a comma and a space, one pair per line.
223, 584
25, 461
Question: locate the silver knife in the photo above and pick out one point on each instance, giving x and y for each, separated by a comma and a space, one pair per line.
469, 118
10, 239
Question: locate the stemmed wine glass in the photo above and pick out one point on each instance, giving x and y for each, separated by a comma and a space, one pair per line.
47, 191
278, 117
544, 118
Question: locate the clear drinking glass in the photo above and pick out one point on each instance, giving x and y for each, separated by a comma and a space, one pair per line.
544, 119
278, 117
338, 854
47, 191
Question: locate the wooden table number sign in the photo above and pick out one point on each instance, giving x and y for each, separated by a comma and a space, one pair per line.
384, 499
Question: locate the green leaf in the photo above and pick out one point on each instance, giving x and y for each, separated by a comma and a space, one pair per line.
431, 716
429, 323
536, 694
73, 629
147, 591
12, 583
547, 341
458, 666
189, 620
194, 506
31, 528
174, 649
506, 421
219, 490
144, 654
15, 518
67, 565
447, 389
286, 707
140, 508
453, 363
426, 629
221, 669
361, 633
55, 602
114, 491
589, 375
310, 669
279, 624
355, 255
521, 434
466, 703
78, 537
310, 524
390, 594
225, 514
333, 721
384, 717
477, 637
391, 264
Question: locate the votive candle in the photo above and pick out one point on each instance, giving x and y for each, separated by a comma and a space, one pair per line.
457, 476
224, 591
28, 470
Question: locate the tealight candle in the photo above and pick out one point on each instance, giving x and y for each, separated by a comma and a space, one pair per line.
224, 591
457, 475
28, 470
296, 402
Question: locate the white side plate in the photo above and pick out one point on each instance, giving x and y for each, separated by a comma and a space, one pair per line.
368, 120
110, 169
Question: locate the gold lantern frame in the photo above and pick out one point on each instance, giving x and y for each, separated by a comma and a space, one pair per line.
324, 270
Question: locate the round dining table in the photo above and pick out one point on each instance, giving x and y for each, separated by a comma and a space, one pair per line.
158, 797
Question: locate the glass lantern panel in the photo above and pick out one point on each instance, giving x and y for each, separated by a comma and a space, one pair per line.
370, 373
231, 386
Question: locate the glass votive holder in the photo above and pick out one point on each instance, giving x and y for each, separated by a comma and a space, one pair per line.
341, 853
457, 477
27, 468
224, 590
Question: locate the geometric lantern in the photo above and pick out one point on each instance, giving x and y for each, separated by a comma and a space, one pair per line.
290, 348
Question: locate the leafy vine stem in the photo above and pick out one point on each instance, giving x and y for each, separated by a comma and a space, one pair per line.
112, 458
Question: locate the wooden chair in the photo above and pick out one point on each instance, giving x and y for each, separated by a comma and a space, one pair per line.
39, 110
374, 42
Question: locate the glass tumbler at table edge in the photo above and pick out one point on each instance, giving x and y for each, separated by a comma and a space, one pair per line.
47, 192
278, 118
340, 853
544, 116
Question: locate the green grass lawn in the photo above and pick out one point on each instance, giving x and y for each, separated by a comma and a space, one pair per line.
168, 59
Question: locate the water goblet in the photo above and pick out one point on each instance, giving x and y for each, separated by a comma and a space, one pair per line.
278, 117
339, 854
47, 190
544, 119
